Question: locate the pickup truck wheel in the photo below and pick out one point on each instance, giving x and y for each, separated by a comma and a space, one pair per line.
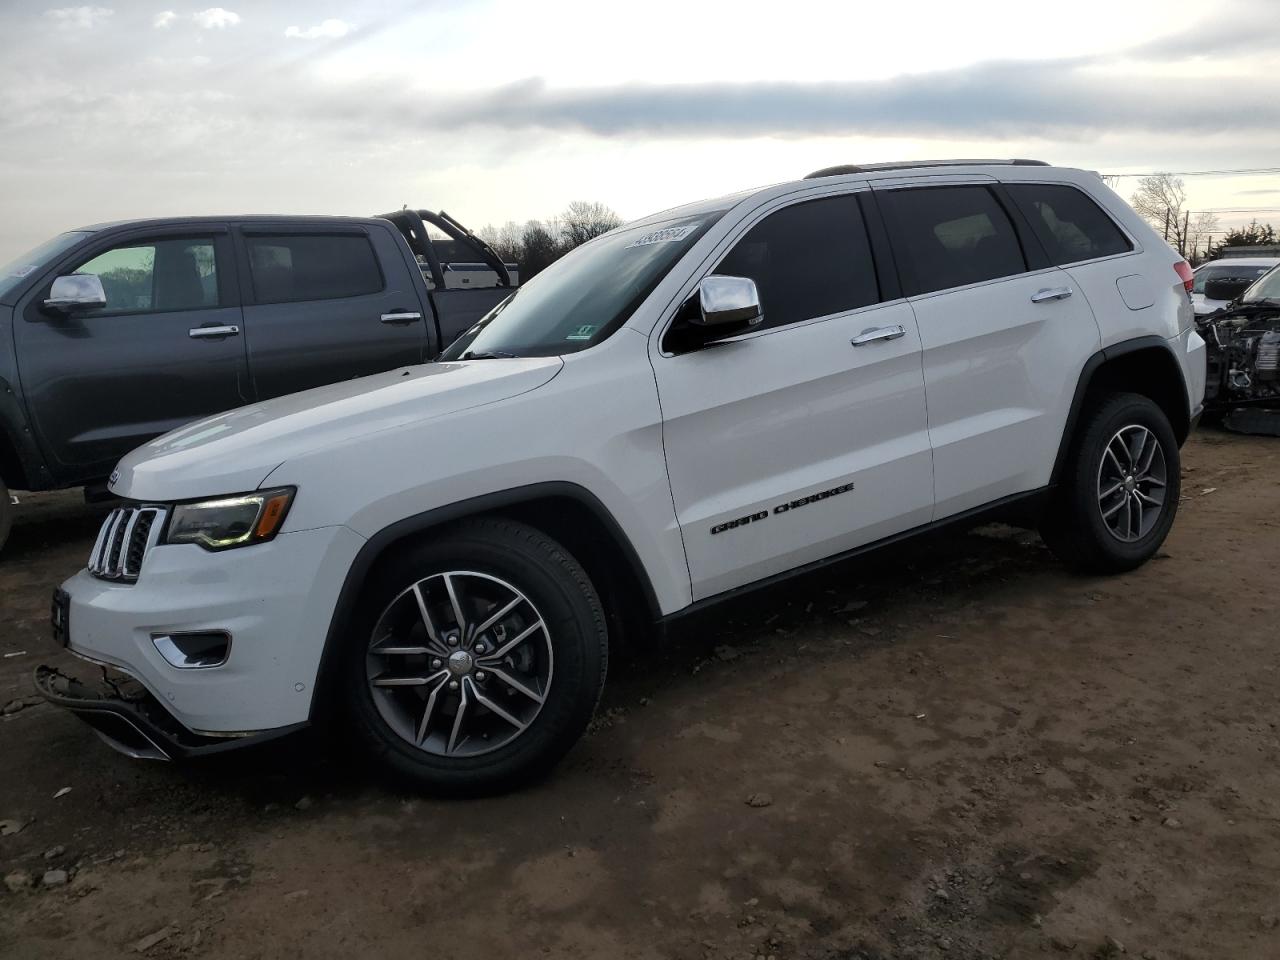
479, 658
6, 514
1120, 494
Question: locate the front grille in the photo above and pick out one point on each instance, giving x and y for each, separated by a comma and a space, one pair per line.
126, 536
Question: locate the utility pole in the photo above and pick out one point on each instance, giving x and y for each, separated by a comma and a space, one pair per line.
1186, 233
1166, 224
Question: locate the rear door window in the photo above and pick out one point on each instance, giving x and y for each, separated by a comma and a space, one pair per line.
292, 267
950, 236
1071, 226
808, 260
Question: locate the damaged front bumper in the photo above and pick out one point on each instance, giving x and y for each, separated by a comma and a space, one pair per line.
128, 718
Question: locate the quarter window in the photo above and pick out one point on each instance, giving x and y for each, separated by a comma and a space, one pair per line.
1069, 224
951, 236
157, 276
809, 260
288, 268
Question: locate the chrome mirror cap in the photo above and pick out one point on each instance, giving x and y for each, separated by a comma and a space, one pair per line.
76, 290
725, 300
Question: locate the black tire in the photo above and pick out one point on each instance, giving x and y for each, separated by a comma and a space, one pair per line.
1074, 526
556, 585
6, 515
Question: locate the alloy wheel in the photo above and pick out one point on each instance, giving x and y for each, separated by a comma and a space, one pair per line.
460, 663
1132, 480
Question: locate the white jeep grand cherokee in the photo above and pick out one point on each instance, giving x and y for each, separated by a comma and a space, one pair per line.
697, 403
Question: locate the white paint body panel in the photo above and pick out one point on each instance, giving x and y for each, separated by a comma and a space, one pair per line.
999, 374
786, 413
967, 407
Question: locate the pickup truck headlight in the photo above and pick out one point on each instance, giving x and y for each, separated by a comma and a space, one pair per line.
229, 522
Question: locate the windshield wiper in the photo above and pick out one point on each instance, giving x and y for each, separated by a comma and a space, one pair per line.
486, 355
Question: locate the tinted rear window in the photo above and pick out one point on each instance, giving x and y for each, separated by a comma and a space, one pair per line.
809, 260
289, 268
950, 236
1069, 224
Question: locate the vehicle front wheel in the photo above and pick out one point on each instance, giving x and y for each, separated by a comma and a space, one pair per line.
477, 658
1120, 492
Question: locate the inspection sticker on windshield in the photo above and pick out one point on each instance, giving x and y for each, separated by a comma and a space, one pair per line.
666, 235
582, 332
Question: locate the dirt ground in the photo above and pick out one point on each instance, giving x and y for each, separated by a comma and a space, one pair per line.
957, 750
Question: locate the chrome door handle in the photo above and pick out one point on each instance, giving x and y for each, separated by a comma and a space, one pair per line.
1050, 293
209, 333
401, 316
879, 333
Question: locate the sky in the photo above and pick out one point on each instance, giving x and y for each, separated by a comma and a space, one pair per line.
503, 111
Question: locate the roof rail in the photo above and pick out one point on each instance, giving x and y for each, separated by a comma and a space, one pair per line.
848, 168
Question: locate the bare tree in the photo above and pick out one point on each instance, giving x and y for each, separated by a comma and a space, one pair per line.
1162, 199
539, 248
1200, 235
506, 240
583, 221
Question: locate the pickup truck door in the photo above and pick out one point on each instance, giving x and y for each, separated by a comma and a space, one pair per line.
808, 436
167, 348
326, 303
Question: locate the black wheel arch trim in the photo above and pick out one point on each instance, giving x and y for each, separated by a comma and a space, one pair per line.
487, 503
1091, 367
15, 435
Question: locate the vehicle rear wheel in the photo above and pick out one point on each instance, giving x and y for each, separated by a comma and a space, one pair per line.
477, 658
1120, 493
6, 514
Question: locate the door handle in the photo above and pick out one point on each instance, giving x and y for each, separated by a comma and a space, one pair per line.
879, 333
1050, 293
401, 316
214, 332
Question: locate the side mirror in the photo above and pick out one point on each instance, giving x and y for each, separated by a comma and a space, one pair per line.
76, 291
727, 301
1227, 288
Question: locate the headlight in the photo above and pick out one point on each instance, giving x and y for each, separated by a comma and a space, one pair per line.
230, 521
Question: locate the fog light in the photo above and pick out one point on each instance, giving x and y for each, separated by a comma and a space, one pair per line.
190, 651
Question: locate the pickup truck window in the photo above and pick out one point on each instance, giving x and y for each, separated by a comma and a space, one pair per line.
583, 297
158, 276
292, 267
15, 271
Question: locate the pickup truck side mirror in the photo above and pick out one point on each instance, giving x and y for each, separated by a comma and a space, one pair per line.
727, 301
76, 291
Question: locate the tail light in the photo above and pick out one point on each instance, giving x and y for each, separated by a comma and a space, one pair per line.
1185, 274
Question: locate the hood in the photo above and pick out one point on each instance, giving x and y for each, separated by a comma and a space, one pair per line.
234, 452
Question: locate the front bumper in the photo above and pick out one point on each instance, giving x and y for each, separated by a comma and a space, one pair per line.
275, 600
127, 717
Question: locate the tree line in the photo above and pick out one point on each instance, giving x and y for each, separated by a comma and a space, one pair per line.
537, 244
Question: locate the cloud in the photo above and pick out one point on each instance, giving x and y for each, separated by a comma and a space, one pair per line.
164, 20
1058, 99
79, 18
325, 30
215, 18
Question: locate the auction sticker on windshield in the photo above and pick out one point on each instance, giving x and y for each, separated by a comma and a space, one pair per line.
666, 235
582, 332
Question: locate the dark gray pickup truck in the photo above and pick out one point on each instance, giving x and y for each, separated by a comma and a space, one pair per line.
114, 334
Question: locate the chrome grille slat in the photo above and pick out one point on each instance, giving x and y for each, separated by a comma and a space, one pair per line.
127, 535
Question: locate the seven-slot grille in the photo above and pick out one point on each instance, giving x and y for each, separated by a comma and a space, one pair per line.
126, 536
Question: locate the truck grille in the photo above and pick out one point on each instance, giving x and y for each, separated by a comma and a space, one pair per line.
126, 536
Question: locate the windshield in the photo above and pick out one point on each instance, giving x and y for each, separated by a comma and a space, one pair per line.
584, 296
15, 271
1268, 288
1231, 271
